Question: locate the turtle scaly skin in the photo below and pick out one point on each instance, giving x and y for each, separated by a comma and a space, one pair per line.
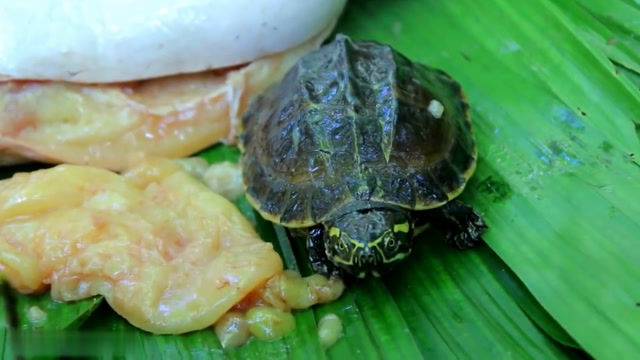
355, 145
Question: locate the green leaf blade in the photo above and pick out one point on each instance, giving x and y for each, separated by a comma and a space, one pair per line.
529, 82
58, 315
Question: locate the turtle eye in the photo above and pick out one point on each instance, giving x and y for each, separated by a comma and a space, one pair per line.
391, 243
342, 246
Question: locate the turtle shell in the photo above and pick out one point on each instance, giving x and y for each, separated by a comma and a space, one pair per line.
355, 121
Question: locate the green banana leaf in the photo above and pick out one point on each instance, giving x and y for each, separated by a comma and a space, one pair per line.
553, 87
5, 351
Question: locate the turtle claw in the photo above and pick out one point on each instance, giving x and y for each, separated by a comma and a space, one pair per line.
469, 237
328, 270
462, 225
321, 268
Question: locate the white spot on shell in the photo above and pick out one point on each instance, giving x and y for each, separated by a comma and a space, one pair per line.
435, 108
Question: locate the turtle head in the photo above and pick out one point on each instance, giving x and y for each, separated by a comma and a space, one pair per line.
369, 241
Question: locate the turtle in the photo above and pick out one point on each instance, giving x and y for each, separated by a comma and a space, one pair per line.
358, 149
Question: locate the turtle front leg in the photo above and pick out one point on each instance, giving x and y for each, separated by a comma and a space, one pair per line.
461, 225
318, 257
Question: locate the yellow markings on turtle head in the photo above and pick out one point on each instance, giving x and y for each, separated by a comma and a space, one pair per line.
397, 257
377, 241
356, 244
342, 245
404, 227
342, 261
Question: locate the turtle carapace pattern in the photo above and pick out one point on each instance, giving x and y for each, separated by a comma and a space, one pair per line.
353, 148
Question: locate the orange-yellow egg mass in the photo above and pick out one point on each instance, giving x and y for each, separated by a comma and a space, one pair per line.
166, 252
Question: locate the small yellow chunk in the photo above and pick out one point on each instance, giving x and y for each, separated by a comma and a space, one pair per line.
36, 315
223, 178
266, 323
289, 290
232, 330
329, 330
